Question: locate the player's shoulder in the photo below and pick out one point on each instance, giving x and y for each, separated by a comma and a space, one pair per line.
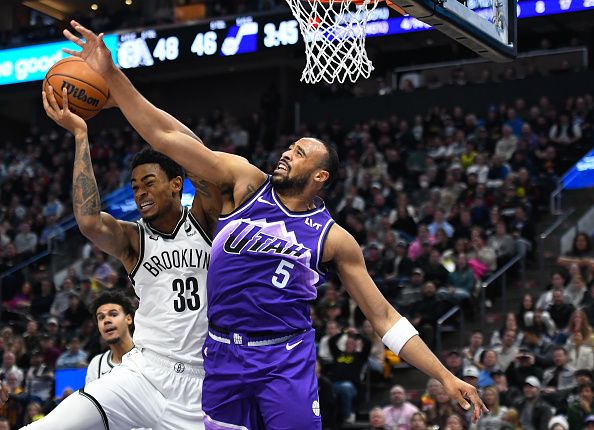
339, 242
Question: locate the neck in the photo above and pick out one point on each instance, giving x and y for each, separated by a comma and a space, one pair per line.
166, 223
297, 202
119, 349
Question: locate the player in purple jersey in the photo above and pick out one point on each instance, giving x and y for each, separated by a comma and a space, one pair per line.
267, 259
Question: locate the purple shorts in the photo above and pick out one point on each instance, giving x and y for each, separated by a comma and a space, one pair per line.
268, 387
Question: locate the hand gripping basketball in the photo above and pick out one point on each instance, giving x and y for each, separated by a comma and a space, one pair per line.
62, 116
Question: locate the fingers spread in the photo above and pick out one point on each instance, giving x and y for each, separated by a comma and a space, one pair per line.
65, 99
68, 35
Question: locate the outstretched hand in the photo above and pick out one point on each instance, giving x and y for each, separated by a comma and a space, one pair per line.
466, 395
62, 116
94, 52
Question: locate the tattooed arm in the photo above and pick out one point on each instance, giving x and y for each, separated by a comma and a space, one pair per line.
117, 238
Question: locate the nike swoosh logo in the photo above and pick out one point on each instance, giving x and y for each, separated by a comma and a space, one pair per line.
266, 202
290, 347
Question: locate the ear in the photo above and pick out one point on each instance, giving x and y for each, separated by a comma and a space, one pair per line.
176, 184
129, 320
322, 177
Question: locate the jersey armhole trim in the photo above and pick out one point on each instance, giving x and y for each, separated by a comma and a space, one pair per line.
205, 236
248, 202
98, 406
321, 243
140, 253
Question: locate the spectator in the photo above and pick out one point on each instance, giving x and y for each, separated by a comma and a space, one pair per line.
76, 313
559, 422
32, 335
471, 375
398, 415
73, 357
455, 422
511, 420
460, 282
472, 353
428, 398
26, 241
61, 298
559, 310
492, 420
42, 302
9, 366
580, 354
418, 421
377, 420
39, 379
425, 312
346, 370
580, 409
539, 346
12, 410
507, 395
523, 367
454, 363
33, 413
502, 243
439, 414
507, 351
488, 364
434, 269
324, 353
534, 412
559, 380
589, 422
506, 146
440, 222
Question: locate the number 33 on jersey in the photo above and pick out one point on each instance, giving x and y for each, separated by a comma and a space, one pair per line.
173, 267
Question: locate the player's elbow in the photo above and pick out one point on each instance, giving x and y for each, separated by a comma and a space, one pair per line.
90, 228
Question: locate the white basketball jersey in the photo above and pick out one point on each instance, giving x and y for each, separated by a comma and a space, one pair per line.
100, 365
170, 282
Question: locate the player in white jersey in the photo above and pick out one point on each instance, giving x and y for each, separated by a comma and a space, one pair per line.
166, 254
113, 312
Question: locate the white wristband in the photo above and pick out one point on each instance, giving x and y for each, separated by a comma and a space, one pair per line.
399, 334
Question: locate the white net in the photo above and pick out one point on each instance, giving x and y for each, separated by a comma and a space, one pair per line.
334, 35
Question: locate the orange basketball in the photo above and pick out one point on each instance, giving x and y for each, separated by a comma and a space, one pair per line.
87, 91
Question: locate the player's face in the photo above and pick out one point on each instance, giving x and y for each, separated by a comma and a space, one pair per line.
113, 323
154, 193
299, 165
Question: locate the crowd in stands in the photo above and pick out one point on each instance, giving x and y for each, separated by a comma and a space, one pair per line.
436, 201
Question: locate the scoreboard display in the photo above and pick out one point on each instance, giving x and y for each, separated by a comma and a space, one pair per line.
218, 38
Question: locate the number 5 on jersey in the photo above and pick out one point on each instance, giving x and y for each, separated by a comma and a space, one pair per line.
181, 302
281, 274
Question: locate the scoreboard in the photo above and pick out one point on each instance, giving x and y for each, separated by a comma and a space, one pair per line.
218, 38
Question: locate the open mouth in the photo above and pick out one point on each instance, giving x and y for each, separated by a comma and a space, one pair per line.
146, 205
283, 166
110, 330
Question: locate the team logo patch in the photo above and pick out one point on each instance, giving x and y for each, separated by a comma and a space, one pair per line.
179, 367
315, 407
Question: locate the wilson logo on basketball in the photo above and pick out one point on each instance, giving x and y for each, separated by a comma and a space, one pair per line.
79, 94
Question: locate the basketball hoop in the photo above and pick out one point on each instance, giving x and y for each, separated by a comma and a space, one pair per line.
334, 34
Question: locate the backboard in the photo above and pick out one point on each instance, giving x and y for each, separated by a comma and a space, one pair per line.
490, 32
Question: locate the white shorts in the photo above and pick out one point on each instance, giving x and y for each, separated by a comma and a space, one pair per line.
151, 391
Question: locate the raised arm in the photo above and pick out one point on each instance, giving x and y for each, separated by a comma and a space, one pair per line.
342, 250
117, 238
161, 130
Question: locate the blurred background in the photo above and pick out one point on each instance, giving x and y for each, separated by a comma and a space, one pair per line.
465, 182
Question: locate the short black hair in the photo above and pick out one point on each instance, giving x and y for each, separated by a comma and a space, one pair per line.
112, 297
331, 163
150, 156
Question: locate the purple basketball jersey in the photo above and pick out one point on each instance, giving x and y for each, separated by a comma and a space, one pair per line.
265, 265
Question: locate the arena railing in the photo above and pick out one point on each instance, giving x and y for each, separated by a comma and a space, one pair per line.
561, 218
442, 327
501, 273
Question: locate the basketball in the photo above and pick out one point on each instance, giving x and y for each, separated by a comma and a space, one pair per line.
87, 91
